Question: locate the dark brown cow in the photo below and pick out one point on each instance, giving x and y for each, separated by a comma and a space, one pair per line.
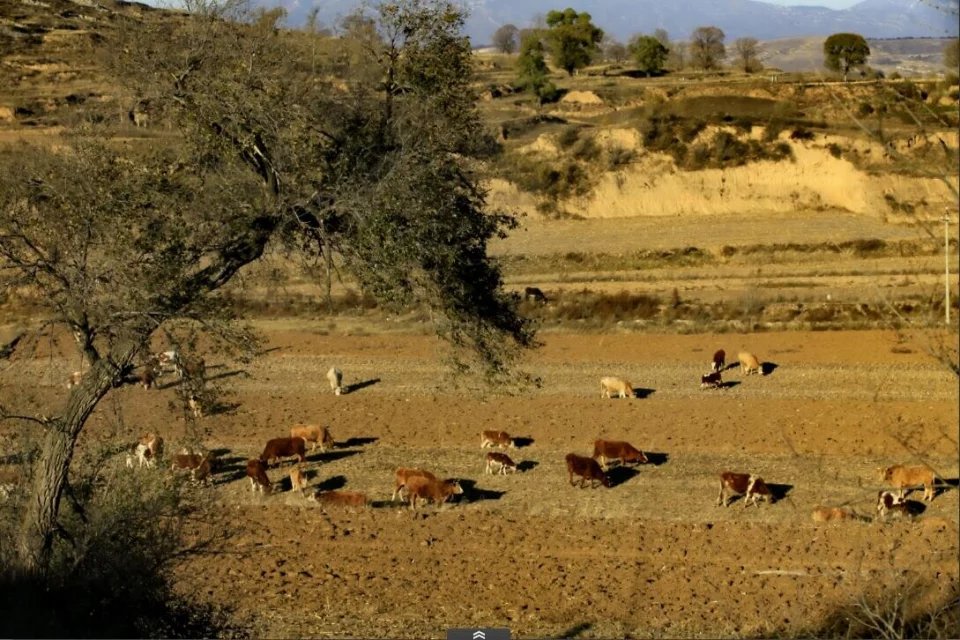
257, 472
430, 489
587, 469
750, 486
711, 381
284, 448
719, 361
623, 452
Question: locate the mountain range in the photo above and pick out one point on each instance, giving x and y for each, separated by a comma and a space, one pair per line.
737, 18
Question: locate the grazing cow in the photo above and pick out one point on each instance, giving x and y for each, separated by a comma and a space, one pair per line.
74, 379
166, 361
147, 378
711, 381
890, 504
903, 477
191, 368
622, 452
199, 466
431, 489
257, 472
499, 463
748, 363
748, 485
402, 475
827, 514
610, 386
719, 361
147, 450
335, 377
587, 469
497, 439
535, 294
284, 448
340, 498
195, 405
298, 480
314, 434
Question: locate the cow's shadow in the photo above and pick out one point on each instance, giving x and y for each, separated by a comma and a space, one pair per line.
642, 392
527, 465
228, 468
620, 474
223, 408
729, 384
330, 456
915, 507
656, 458
522, 442
766, 368
356, 442
472, 493
357, 386
330, 484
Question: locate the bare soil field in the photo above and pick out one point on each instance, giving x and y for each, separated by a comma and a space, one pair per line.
651, 557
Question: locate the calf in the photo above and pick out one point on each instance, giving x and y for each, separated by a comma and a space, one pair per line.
496, 439
284, 448
257, 472
147, 450
199, 466
402, 475
431, 489
335, 378
890, 504
195, 405
499, 463
314, 434
719, 361
74, 379
748, 363
535, 294
340, 498
610, 386
826, 514
147, 378
623, 452
903, 477
711, 381
587, 469
748, 485
298, 480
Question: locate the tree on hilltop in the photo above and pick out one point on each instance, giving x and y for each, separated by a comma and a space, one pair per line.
505, 38
573, 39
844, 51
748, 54
648, 53
533, 73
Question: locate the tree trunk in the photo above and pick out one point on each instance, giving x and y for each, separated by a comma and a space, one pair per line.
40, 518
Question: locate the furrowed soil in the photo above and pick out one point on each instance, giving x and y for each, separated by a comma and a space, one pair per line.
654, 556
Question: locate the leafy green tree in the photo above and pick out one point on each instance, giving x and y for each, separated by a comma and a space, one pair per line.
505, 38
534, 75
706, 48
844, 51
573, 39
648, 53
378, 170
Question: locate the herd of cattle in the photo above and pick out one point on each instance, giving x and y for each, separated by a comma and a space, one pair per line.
413, 484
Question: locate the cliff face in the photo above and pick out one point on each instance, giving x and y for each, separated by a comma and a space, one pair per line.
819, 177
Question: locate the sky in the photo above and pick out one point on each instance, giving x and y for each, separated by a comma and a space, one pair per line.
830, 4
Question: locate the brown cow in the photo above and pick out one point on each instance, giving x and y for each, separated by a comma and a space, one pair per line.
719, 361
147, 450
903, 477
314, 434
499, 463
298, 480
402, 475
748, 363
257, 472
622, 452
199, 466
340, 498
750, 486
496, 438
610, 386
431, 489
284, 448
587, 469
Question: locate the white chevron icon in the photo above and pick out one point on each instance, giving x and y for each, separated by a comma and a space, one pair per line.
479, 635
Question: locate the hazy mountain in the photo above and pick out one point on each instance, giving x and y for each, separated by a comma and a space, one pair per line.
737, 18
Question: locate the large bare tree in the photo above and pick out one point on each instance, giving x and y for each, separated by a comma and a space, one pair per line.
369, 157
